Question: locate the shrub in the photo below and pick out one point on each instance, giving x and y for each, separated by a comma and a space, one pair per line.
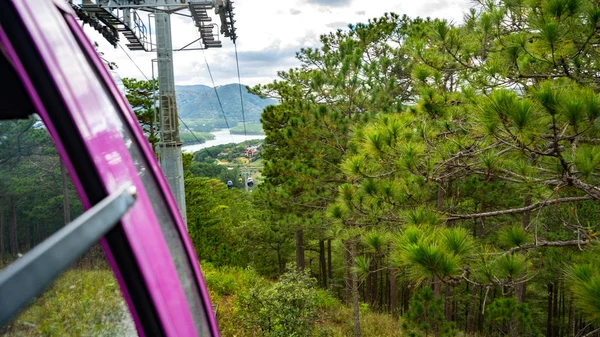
426, 314
511, 318
325, 300
286, 308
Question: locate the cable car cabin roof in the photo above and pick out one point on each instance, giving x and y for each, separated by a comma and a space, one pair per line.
15, 101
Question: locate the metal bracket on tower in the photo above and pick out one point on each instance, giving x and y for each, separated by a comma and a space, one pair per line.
224, 8
116, 21
198, 9
112, 17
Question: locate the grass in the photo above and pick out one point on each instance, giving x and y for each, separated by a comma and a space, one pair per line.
86, 301
335, 319
82, 302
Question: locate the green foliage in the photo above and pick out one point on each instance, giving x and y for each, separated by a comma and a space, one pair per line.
214, 214
472, 145
34, 180
511, 318
229, 286
142, 97
513, 236
426, 315
326, 301
429, 253
287, 308
584, 280
229, 280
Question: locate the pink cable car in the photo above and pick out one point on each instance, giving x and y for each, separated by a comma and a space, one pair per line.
50, 70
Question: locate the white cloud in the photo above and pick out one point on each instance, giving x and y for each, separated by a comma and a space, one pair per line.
269, 34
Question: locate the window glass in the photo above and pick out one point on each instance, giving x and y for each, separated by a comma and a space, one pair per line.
36, 199
182, 262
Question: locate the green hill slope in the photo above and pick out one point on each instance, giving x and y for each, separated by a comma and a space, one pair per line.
200, 102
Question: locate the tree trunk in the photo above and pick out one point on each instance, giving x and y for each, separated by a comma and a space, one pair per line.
437, 290
371, 285
555, 310
571, 324
527, 214
480, 317
65, 188
322, 263
382, 286
549, 312
1, 230
448, 302
14, 240
562, 309
393, 293
348, 259
437, 287
406, 293
440, 196
329, 263
520, 290
279, 260
451, 198
468, 318
355, 290
300, 262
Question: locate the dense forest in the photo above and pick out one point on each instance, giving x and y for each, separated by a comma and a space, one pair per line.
444, 173
36, 195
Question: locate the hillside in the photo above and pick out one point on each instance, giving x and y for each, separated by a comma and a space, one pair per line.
200, 102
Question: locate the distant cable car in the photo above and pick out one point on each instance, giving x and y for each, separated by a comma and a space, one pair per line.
229, 184
250, 182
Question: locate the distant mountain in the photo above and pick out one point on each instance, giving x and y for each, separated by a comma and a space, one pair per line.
200, 102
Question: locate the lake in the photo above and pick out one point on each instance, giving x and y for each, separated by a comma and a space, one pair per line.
221, 137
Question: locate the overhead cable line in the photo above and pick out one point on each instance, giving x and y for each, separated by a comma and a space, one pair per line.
240, 87
237, 63
135, 64
215, 88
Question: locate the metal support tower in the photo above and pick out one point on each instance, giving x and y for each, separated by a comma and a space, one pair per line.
111, 17
170, 145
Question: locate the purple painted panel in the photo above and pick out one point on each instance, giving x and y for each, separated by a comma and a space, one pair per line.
12, 56
102, 134
159, 176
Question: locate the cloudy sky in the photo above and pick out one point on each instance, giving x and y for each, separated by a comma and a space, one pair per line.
270, 32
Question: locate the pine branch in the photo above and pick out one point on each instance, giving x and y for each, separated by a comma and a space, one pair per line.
592, 190
548, 244
591, 333
517, 210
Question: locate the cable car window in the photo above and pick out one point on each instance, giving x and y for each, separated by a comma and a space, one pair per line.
37, 198
182, 261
